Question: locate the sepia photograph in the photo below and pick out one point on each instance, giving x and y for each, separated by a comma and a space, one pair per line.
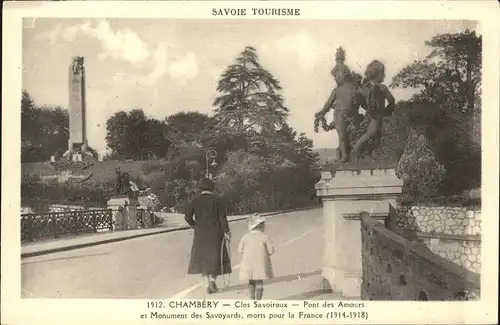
251, 163
140, 127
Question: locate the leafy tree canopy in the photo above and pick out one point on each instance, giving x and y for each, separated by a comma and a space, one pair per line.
134, 136
446, 110
450, 75
44, 130
249, 99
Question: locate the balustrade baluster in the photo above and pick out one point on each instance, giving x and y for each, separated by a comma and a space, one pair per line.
76, 217
110, 219
94, 221
54, 224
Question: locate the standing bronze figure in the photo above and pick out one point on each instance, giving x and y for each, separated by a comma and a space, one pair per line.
345, 101
375, 95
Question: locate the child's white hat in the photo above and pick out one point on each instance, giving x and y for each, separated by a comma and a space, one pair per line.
255, 220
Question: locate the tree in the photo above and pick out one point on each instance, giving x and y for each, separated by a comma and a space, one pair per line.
250, 182
450, 75
280, 175
395, 132
445, 110
134, 136
249, 102
461, 53
191, 134
418, 167
44, 130
189, 129
268, 164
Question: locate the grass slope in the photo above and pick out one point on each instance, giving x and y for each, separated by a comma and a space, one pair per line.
104, 170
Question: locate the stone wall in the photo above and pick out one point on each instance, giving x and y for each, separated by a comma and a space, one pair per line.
453, 233
465, 253
395, 268
442, 219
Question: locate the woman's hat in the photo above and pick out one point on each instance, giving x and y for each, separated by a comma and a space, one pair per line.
206, 184
255, 220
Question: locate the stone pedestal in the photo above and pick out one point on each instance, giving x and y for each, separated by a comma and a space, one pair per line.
132, 213
346, 191
148, 223
118, 221
127, 219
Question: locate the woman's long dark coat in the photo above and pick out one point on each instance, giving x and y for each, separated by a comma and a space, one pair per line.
207, 216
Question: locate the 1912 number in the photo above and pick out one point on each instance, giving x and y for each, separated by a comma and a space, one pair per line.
155, 304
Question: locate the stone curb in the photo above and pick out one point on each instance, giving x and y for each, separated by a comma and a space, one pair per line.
113, 240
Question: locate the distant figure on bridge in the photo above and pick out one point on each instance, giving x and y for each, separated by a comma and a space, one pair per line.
256, 248
207, 216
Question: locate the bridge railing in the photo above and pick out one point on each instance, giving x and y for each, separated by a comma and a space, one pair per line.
144, 219
36, 226
54, 224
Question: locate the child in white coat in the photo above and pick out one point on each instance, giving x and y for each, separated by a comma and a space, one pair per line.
255, 249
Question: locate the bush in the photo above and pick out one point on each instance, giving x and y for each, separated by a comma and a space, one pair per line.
458, 200
418, 167
250, 183
246, 182
38, 194
150, 167
449, 136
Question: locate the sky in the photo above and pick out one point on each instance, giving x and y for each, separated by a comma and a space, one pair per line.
165, 66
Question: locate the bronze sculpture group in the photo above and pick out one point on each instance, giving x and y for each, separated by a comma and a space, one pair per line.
352, 92
123, 185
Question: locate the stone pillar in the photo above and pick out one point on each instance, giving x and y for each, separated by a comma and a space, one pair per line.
117, 219
132, 212
77, 109
345, 193
127, 219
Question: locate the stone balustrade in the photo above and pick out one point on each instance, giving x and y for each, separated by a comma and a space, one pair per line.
394, 268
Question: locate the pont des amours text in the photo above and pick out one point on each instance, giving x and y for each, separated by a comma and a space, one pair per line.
316, 310
250, 304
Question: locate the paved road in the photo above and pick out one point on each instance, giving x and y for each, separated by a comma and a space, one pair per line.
155, 266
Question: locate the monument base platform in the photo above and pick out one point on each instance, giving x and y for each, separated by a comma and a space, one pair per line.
346, 191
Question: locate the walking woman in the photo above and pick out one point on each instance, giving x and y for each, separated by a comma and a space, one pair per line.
207, 216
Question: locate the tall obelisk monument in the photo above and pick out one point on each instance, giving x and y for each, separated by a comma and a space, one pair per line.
77, 143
